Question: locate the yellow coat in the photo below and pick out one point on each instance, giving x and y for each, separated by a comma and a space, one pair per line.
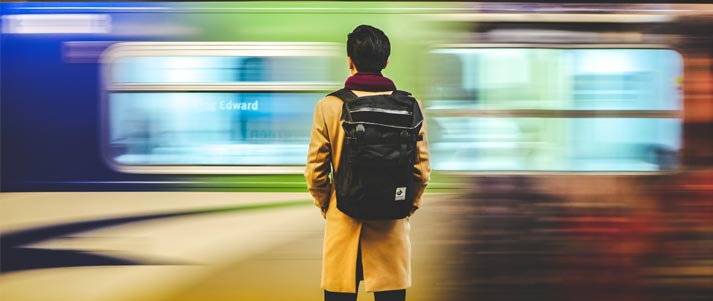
385, 245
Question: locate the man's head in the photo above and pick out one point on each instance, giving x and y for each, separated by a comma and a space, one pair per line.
368, 48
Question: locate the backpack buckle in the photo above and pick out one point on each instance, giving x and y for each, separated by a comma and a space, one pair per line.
404, 136
360, 130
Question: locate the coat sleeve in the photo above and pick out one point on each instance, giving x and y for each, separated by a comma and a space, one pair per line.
319, 159
422, 167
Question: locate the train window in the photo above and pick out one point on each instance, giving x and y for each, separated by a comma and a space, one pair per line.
555, 109
209, 107
221, 69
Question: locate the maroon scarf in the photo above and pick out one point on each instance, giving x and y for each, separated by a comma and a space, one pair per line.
369, 81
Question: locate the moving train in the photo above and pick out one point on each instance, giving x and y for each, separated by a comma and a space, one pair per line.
219, 96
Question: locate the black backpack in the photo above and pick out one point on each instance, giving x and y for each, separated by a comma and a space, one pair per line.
375, 178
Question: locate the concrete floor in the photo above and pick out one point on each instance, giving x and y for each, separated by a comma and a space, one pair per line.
269, 253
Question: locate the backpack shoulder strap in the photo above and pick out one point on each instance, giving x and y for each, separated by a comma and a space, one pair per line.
401, 93
345, 95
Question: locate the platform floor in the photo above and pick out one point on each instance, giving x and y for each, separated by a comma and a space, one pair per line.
186, 246
503, 240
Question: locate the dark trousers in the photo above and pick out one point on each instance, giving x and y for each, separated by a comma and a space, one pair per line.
397, 295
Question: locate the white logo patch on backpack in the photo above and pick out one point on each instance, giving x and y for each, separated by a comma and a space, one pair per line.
400, 194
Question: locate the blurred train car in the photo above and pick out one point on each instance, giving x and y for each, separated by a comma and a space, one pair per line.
134, 96
163, 96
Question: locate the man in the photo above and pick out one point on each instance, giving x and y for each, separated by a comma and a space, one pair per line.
376, 251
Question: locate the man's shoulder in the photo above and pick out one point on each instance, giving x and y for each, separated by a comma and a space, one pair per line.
330, 101
330, 105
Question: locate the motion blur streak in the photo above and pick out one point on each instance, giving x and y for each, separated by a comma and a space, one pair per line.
154, 151
594, 238
56, 24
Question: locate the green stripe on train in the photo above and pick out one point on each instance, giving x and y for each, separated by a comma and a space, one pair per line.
289, 183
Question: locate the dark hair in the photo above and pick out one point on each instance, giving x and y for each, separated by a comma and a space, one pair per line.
369, 48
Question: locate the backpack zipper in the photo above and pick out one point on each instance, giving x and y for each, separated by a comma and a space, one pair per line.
384, 125
388, 111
